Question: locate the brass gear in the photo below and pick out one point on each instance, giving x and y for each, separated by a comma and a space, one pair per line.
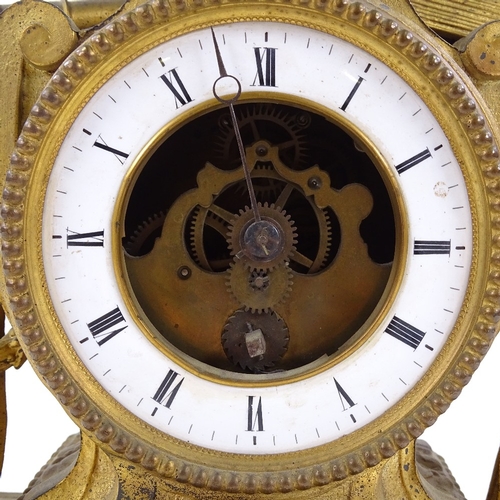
257, 120
271, 245
255, 342
208, 226
202, 218
258, 280
275, 288
144, 236
267, 184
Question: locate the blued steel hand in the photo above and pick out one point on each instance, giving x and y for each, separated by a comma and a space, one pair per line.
230, 103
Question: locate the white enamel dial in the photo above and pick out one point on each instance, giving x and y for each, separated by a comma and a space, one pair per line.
159, 87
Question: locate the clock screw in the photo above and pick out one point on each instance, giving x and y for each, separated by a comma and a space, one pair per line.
184, 272
261, 150
314, 183
263, 240
303, 120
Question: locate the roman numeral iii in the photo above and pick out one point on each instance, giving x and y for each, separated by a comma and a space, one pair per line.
431, 247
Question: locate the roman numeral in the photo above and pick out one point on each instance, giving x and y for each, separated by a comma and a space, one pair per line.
345, 399
105, 147
429, 247
102, 327
351, 95
168, 389
414, 160
92, 239
405, 332
255, 417
265, 58
175, 85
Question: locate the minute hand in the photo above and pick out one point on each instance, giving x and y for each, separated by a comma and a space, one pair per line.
230, 103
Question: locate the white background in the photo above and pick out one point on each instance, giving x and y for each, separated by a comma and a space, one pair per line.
467, 436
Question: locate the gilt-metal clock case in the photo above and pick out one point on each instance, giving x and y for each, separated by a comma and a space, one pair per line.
255, 347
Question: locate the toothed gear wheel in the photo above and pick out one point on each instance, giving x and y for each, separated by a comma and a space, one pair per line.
325, 241
267, 184
265, 121
276, 286
258, 280
201, 219
143, 238
265, 244
255, 342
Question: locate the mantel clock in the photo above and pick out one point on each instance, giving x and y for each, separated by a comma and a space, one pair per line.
252, 246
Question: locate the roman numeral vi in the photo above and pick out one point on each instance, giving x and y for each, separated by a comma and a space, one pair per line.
255, 417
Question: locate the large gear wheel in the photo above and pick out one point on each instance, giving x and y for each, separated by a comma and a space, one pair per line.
324, 241
265, 244
267, 184
202, 219
207, 244
284, 128
207, 227
255, 342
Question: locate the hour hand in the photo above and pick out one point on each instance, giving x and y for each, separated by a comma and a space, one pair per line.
220, 62
229, 101
224, 76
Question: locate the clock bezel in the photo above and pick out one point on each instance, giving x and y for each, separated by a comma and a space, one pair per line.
362, 335
403, 51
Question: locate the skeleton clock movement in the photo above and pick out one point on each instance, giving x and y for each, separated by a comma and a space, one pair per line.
251, 247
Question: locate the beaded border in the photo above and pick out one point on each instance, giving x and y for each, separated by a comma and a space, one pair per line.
64, 82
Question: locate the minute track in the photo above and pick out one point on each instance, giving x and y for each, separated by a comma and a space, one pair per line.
282, 415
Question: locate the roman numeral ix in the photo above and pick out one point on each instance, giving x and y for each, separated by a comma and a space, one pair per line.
91, 239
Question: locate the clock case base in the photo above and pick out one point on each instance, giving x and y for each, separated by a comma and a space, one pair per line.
414, 472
